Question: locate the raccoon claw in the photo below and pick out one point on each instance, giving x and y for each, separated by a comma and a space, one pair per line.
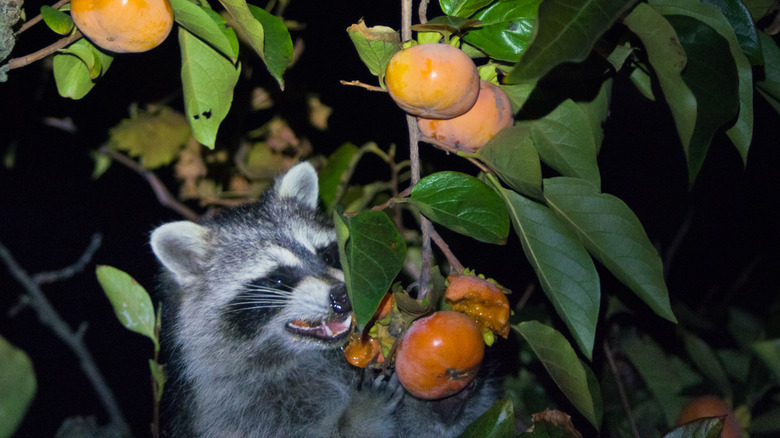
382, 385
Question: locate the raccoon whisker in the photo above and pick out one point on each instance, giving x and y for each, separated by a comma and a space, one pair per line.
286, 291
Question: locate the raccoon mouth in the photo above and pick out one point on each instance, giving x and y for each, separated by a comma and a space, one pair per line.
325, 330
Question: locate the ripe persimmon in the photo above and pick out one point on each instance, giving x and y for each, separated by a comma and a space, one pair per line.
432, 80
481, 300
471, 130
711, 406
439, 355
361, 350
123, 25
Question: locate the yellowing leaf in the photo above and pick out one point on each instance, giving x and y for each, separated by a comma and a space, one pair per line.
156, 134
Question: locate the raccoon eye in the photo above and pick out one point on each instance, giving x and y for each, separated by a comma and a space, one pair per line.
281, 278
330, 255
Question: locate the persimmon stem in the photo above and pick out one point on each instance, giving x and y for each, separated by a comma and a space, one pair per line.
44, 52
30, 23
362, 85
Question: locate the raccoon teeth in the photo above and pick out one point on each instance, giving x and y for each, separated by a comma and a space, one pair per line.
323, 330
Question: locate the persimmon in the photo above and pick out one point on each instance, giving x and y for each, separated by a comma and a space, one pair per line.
471, 130
711, 406
361, 350
123, 25
439, 355
481, 300
432, 80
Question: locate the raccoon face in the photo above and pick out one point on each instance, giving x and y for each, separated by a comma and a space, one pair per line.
260, 273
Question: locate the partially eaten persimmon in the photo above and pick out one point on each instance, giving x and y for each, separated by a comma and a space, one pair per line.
481, 300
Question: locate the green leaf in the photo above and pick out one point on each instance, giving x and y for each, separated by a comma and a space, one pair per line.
246, 24
278, 45
208, 79
375, 46
200, 21
769, 85
512, 156
76, 67
372, 253
565, 31
463, 204
769, 352
705, 359
596, 112
667, 57
57, 20
704, 428
613, 234
462, 8
563, 365
653, 365
17, 387
758, 8
131, 302
333, 171
741, 133
564, 139
743, 26
496, 422
564, 269
506, 29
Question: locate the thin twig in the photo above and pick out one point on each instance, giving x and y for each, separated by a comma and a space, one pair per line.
49, 317
42, 278
164, 197
529, 290
362, 85
422, 11
445, 249
44, 52
621, 389
30, 23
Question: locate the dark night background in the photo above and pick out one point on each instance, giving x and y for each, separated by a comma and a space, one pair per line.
50, 206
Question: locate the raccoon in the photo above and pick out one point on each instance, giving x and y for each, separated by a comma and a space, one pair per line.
255, 311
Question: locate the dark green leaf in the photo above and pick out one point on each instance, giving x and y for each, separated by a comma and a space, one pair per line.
597, 110
704, 428
767, 422
57, 20
769, 352
277, 43
506, 29
561, 362
208, 79
744, 28
655, 368
375, 46
496, 422
667, 57
769, 85
463, 204
17, 387
758, 8
201, 23
704, 358
565, 31
462, 8
741, 133
372, 253
564, 139
131, 302
512, 156
331, 175
613, 234
564, 269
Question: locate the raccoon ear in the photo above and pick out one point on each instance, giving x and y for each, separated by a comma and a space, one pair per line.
300, 183
181, 248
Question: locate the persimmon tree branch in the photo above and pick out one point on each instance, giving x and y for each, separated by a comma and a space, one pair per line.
621, 388
44, 52
164, 196
48, 316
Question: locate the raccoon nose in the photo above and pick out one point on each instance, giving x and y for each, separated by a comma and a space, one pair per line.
339, 300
